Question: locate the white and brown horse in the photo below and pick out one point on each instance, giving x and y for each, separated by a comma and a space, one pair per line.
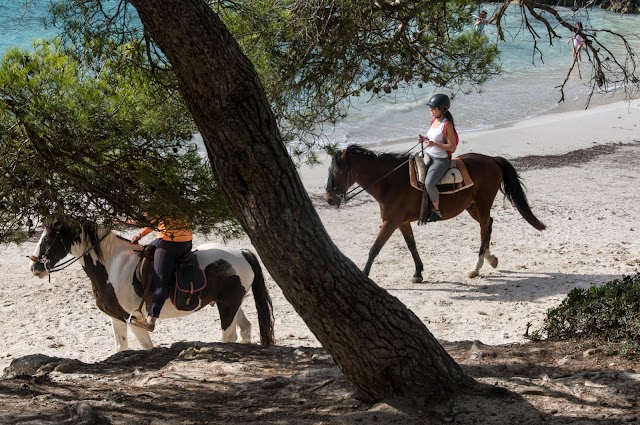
110, 262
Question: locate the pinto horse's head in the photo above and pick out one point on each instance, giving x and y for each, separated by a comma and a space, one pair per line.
54, 244
339, 180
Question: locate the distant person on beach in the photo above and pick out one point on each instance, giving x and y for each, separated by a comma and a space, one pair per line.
440, 142
173, 239
578, 42
481, 22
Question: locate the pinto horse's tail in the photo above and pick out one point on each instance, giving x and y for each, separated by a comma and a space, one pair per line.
261, 296
513, 189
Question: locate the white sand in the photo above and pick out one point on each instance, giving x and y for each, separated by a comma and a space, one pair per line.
592, 211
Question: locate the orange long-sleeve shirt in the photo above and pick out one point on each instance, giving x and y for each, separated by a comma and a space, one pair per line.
168, 234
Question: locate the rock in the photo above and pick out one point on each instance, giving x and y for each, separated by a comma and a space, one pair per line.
591, 352
565, 360
85, 414
476, 351
30, 365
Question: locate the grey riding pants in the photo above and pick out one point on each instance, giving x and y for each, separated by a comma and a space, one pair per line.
437, 169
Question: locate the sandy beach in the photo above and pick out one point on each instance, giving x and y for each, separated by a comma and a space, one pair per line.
591, 206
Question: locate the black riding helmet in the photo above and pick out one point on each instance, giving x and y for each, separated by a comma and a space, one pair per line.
439, 101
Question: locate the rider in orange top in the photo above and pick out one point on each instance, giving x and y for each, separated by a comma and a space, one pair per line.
173, 239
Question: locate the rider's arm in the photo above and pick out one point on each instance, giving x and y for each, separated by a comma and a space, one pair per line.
450, 140
144, 232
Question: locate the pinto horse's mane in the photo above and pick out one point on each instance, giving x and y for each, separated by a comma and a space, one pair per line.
98, 236
390, 157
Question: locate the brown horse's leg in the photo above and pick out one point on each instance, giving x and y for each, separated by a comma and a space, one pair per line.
407, 232
483, 217
384, 233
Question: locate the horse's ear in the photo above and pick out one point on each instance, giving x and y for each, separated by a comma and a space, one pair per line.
341, 157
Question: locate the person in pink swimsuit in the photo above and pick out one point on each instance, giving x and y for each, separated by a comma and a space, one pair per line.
578, 42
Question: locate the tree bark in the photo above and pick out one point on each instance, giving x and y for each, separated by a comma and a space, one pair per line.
380, 345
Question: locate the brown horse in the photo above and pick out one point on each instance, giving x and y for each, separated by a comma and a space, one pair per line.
385, 176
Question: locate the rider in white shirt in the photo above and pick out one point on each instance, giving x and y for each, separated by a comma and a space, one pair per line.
440, 142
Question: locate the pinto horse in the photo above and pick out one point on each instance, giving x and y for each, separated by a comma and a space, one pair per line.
110, 262
385, 176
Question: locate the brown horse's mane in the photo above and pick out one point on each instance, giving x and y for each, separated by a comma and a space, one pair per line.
391, 157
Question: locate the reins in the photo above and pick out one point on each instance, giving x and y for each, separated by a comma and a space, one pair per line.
70, 261
361, 189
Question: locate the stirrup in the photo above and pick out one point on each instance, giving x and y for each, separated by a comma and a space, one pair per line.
142, 323
434, 216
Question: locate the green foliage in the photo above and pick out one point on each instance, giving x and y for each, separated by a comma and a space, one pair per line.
611, 312
98, 140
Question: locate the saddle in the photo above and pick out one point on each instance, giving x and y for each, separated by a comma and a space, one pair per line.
188, 281
455, 179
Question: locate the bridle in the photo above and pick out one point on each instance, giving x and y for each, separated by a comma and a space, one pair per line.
45, 261
359, 189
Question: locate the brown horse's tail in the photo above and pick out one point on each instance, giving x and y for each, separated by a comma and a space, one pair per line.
262, 299
513, 189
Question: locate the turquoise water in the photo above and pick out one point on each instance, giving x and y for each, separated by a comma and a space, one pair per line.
22, 21
527, 87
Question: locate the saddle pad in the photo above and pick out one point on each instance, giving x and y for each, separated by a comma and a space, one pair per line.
456, 178
452, 176
190, 281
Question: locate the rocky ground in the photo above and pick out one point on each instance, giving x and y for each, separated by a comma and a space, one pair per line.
570, 382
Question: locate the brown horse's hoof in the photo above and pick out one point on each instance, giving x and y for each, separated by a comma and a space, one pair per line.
473, 273
493, 262
416, 279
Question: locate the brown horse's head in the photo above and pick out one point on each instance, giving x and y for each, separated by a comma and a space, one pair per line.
339, 180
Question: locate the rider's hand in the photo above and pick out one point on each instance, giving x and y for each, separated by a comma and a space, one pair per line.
135, 239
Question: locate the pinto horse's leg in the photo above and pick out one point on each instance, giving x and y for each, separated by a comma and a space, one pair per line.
245, 327
120, 334
407, 232
143, 337
228, 322
484, 219
384, 233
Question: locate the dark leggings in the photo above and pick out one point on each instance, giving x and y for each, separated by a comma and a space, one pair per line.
164, 261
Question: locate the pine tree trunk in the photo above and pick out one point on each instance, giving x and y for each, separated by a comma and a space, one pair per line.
380, 345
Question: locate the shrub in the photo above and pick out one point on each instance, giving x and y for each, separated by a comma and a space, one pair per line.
610, 312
